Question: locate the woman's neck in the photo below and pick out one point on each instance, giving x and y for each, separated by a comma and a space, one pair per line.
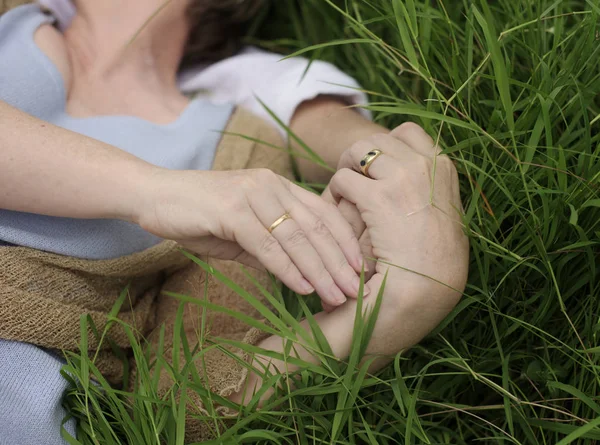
124, 58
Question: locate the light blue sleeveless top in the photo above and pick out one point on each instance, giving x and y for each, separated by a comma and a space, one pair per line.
31, 82
31, 386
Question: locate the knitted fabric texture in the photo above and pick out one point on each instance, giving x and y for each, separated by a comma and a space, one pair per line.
43, 295
6, 5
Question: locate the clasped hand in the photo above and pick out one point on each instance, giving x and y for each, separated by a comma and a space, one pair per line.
407, 214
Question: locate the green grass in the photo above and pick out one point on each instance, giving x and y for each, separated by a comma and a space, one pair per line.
510, 89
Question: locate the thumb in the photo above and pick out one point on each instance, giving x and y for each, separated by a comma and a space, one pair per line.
351, 214
348, 211
328, 197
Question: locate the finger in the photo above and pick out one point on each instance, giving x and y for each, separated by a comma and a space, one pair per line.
352, 215
320, 227
294, 239
419, 163
416, 138
255, 239
327, 307
408, 161
351, 186
372, 281
374, 284
338, 226
327, 197
367, 248
383, 166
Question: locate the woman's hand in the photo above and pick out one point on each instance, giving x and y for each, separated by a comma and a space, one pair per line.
408, 213
227, 215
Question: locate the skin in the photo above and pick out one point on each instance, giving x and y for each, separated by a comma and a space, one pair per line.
315, 250
224, 214
400, 225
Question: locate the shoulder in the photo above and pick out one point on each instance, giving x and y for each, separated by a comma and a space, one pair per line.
52, 43
29, 23
21, 18
33, 56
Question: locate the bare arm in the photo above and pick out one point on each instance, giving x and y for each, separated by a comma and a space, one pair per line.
47, 170
328, 127
97, 180
51, 171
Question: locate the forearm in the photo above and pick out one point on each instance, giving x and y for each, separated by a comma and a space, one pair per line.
51, 171
394, 331
405, 317
328, 127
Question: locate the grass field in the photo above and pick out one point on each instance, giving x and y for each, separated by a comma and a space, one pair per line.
511, 91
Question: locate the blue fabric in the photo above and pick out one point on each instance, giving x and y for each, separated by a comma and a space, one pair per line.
31, 391
31, 82
31, 387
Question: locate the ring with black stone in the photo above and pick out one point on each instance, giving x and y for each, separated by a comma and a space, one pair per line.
368, 159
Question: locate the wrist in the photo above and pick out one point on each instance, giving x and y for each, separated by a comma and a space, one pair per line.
141, 193
173, 204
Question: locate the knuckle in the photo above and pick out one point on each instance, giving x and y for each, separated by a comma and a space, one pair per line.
249, 181
269, 245
297, 237
319, 228
343, 266
235, 205
337, 179
437, 151
343, 175
424, 164
358, 150
381, 138
345, 159
378, 138
408, 129
358, 147
388, 196
261, 176
349, 155
446, 163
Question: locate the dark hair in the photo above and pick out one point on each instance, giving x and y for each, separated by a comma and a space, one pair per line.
217, 27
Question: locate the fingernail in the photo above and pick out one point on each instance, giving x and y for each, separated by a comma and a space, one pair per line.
356, 284
306, 287
358, 263
339, 298
340, 301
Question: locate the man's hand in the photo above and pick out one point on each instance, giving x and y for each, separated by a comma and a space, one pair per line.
407, 214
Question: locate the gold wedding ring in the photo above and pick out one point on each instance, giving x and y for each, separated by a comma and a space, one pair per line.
277, 223
368, 159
